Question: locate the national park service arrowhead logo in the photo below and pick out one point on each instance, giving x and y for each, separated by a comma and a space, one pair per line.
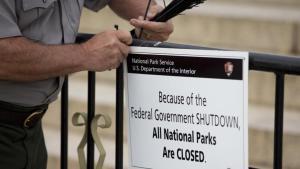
228, 68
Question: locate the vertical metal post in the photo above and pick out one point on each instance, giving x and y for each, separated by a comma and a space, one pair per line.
119, 117
64, 125
91, 114
278, 128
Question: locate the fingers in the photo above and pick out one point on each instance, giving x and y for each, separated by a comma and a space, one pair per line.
124, 50
124, 37
119, 51
153, 30
106, 50
121, 47
160, 27
153, 11
120, 55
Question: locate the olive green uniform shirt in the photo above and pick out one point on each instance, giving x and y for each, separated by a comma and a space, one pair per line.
40, 21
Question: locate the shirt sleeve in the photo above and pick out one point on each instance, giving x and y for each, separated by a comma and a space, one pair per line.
8, 19
95, 5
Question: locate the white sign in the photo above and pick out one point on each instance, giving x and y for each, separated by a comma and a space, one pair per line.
187, 109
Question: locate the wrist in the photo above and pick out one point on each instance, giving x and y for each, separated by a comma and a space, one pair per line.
82, 57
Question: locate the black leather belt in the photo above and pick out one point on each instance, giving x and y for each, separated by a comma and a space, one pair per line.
21, 116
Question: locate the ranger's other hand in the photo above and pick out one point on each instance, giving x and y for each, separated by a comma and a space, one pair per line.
159, 31
106, 50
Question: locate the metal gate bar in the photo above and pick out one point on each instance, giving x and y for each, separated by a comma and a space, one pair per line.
119, 117
91, 113
278, 124
64, 125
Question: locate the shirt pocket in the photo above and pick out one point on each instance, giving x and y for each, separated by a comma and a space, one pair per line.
31, 10
73, 11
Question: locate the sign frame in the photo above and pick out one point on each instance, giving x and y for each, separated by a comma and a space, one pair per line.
196, 53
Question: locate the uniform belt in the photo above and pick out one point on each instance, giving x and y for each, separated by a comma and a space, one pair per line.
28, 117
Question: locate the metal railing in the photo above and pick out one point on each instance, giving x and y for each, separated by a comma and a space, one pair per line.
279, 65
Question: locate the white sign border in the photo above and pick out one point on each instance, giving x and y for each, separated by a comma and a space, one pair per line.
193, 53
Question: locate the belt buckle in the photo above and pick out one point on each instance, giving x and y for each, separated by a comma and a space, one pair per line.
32, 119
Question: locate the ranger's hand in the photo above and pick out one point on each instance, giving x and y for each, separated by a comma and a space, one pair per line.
106, 50
153, 30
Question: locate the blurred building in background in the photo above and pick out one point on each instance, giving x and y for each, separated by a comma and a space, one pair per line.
271, 26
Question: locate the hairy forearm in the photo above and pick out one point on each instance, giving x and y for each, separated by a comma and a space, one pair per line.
129, 9
24, 60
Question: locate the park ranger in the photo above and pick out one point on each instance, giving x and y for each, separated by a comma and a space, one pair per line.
37, 50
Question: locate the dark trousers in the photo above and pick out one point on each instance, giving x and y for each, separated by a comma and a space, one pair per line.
22, 148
